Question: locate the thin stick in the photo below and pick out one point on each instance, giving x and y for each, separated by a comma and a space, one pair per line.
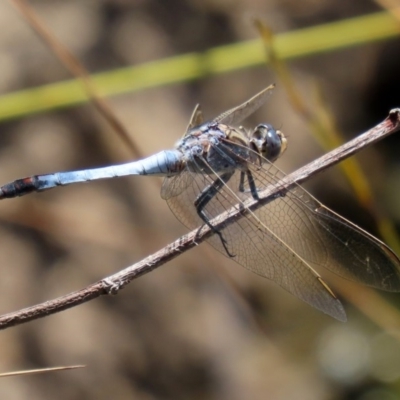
40, 371
115, 282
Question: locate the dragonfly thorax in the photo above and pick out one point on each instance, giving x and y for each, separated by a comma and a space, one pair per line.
268, 141
215, 148
200, 137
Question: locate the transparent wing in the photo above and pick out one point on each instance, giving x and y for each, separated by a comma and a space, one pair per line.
324, 238
196, 119
289, 237
236, 115
174, 185
353, 253
255, 248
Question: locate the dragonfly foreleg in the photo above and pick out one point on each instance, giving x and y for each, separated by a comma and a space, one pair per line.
205, 197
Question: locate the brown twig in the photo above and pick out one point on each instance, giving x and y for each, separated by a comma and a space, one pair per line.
115, 282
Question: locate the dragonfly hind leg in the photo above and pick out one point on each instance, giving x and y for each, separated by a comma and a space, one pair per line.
205, 197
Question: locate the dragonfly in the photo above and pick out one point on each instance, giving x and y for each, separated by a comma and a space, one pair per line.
217, 166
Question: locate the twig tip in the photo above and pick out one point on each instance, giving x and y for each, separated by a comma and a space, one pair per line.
394, 116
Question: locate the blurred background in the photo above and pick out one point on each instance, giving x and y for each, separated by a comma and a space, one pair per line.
199, 327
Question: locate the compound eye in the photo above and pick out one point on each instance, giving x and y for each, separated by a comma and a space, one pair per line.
270, 140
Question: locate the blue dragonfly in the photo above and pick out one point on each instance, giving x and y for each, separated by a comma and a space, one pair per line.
217, 166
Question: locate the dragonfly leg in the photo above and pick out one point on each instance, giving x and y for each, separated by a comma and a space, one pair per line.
205, 197
252, 184
241, 183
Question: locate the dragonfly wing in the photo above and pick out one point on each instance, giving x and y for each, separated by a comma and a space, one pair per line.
324, 238
236, 115
260, 250
196, 119
255, 248
173, 186
354, 253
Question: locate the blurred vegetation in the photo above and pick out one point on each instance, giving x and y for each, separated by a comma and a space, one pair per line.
200, 331
289, 45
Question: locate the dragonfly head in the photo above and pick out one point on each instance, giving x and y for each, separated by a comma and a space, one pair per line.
269, 142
